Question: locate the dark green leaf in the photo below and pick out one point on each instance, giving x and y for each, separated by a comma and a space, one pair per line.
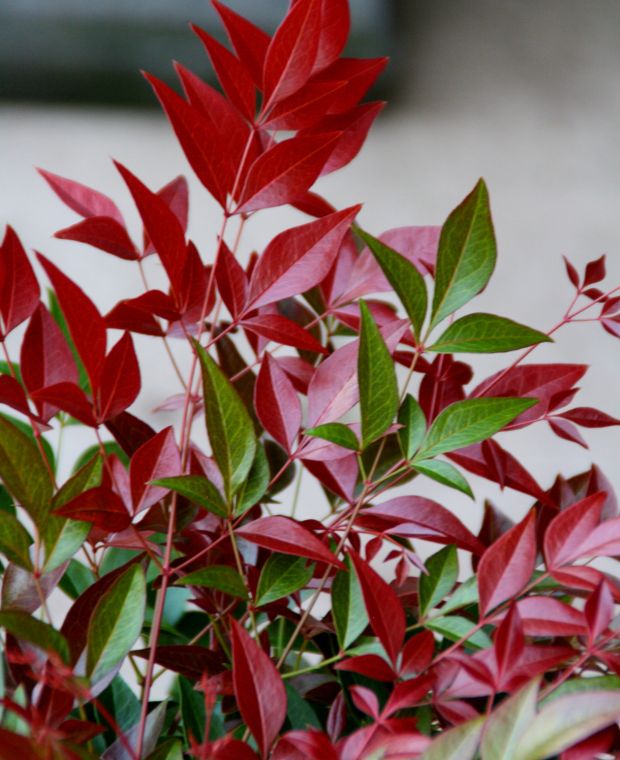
218, 577
376, 379
198, 490
169, 750
282, 575
76, 579
15, 541
26, 628
485, 334
470, 421
230, 428
255, 485
443, 570
337, 433
403, 277
116, 623
120, 701
445, 473
466, 256
348, 608
413, 431
192, 711
23, 471
300, 714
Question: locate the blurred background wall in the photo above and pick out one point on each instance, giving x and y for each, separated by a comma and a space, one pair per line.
523, 92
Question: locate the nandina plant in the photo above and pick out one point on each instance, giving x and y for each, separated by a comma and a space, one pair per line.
285, 637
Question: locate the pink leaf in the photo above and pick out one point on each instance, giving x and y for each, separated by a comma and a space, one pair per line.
82, 199
507, 566
588, 417
19, 289
276, 403
546, 616
599, 610
564, 429
284, 331
385, 612
157, 458
259, 690
282, 534
299, 258
104, 233
567, 532
365, 700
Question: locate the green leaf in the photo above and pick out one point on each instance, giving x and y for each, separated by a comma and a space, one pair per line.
579, 685
230, 428
465, 595
485, 334
169, 750
445, 473
198, 490
413, 431
454, 627
282, 575
120, 701
192, 711
255, 485
110, 447
377, 380
42, 635
116, 623
26, 429
443, 570
470, 421
23, 471
76, 579
63, 537
300, 714
466, 255
336, 432
459, 743
508, 723
348, 608
403, 277
15, 541
566, 721
219, 577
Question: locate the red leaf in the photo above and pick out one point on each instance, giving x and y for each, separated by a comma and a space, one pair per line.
12, 394
385, 611
259, 690
85, 323
541, 381
19, 289
313, 205
595, 271
603, 541
232, 281
546, 616
418, 517
408, 694
369, 665
507, 566
276, 403
120, 379
354, 126
568, 531
157, 458
599, 610
299, 258
134, 315
306, 745
249, 41
564, 429
82, 199
45, 358
129, 432
307, 106
191, 661
334, 31
338, 476
588, 417
417, 654
233, 75
509, 643
292, 52
285, 172
104, 233
612, 326
359, 73
70, 398
365, 700
573, 276
282, 534
284, 331
99, 506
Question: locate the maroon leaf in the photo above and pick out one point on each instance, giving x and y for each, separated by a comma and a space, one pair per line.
19, 289
509, 643
338, 476
595, 271
276, 403
85, 323
120, 379
564, 429
82, 199
568, 531
365, 700
507, 566
135, 316
232, 281
258, 688
284, 331
233, 75
299, 258
12, 394
573, 276
385, 612
157, 458
369, 665
588, 417
249, 41
285, 172
408, 694
417, 654
99, 506
292, 52
599, 610
129, 432
282, 534
191, 661
68, 397
104, 233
